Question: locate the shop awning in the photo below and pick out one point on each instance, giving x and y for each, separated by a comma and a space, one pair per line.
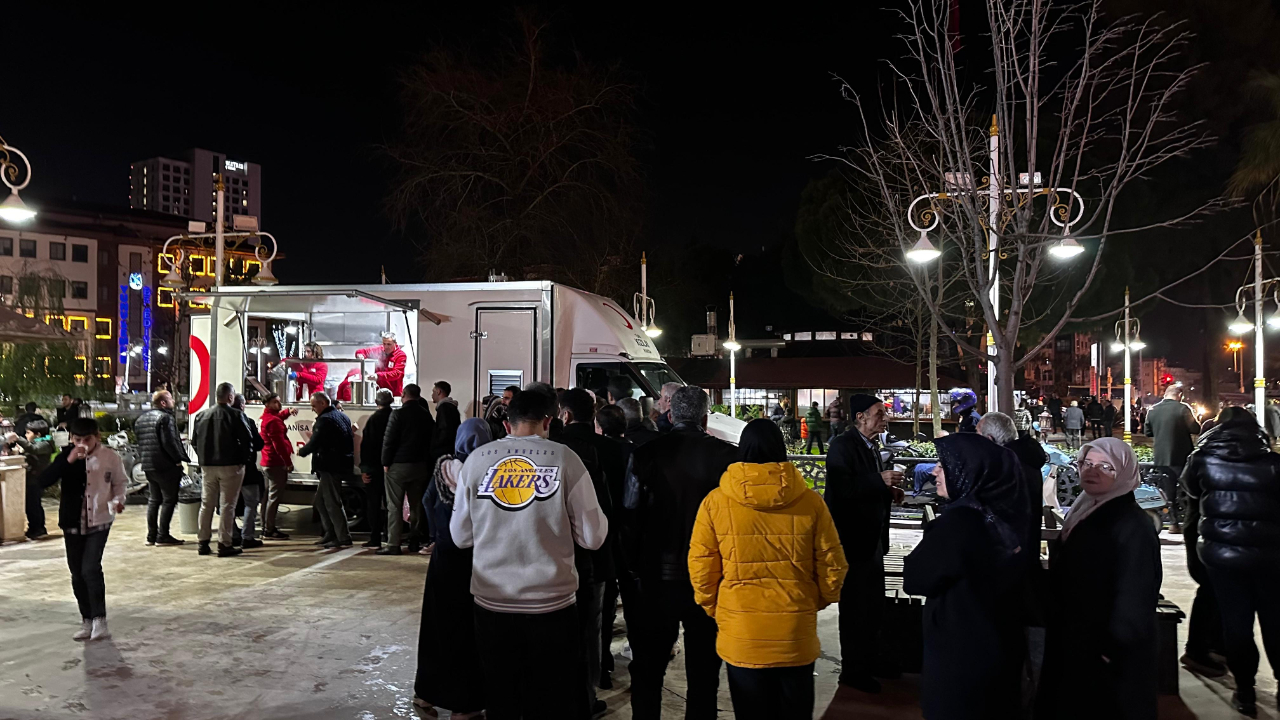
831, 373
269, 300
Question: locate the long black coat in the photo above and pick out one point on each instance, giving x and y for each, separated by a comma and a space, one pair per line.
1170, 425
1235, 477
1100, 648
606, 463
857, 497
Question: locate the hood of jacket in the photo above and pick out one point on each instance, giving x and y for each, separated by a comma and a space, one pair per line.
763, 486
1237, 441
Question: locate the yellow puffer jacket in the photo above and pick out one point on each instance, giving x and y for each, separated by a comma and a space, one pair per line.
764, 559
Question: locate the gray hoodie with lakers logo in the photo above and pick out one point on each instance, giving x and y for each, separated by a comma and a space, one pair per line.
522, 503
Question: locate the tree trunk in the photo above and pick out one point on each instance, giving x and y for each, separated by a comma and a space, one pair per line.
1004, 381
934, 400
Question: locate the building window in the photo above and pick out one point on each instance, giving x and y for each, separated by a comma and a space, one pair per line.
27, 248
6, 246
104, 293
79, 290
804, 336
166, 167
80, 253
6, 285
186, 171
135, 262
102, 328
57, 251
57, 288
103, 258
824, 336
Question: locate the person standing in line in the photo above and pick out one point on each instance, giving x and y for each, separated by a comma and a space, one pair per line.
1100, 655
311, 375
371, 468
333, 444
764, 558
389, 369
1073, 423
277, 462
1235, 478
251, 488
667, 481
971, 567
522, 503
448, 680
162, 457
93, 490
1093, 412
222, 442
406, 456
636, 433
813, 420
663, 406
37, 447
1204, 623
835, 417
1170, 424
611, 422
448, 419
860, 491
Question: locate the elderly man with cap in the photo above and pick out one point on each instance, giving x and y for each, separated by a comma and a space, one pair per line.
860, 489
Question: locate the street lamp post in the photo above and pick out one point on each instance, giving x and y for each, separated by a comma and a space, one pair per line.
645, 309
996, 196
732, 346
13, 208
1242, 325
1131, 329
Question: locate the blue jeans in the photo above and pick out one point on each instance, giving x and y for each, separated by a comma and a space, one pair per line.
776, 693
252, 495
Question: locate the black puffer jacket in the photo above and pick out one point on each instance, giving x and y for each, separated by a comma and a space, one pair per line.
158, 442
1236, 478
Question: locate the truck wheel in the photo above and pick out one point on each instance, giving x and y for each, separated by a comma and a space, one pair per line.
1156, 520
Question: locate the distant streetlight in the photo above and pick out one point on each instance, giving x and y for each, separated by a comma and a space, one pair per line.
643, 306
1128, 345
733, 347
13, 209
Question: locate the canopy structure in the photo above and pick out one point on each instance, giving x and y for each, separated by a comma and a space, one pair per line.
285, 301
18, 328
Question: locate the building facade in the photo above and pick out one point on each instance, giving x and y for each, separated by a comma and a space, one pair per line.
185, 186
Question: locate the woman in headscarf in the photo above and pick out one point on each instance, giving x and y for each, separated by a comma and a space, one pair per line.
764, 558
970, 565
1104, 571
448, 661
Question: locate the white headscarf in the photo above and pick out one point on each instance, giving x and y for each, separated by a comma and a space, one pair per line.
1121, 457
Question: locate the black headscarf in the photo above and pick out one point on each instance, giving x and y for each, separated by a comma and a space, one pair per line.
988, 478
762, 442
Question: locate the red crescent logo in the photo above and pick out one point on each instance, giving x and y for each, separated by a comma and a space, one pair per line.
200, 395
624, 317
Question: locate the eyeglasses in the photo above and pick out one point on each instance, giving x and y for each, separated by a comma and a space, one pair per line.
1105, 467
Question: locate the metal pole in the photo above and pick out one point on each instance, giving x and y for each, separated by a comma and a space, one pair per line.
993, 188
733, 375
1128, 382
1259, 381
219, 246
644, 292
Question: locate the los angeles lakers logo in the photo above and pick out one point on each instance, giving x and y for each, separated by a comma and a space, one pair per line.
515, 482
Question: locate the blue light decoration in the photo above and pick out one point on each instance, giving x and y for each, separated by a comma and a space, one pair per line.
135, 281
123, 342
146, 328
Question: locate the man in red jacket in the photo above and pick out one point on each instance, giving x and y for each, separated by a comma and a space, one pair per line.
277, 461
389, 371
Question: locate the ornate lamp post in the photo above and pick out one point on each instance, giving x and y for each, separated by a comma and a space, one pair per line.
1131, 330
13, 208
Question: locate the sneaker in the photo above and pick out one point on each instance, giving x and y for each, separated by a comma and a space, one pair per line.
1245, 701
100, 631
336, 544
427, 550
866, 684
204, 547
372, 544
389, 550
170, 540
426, 708
275, 535
151, 541
1206, 666
237, 540
1175, 529
251, 544
85, 631
228, 551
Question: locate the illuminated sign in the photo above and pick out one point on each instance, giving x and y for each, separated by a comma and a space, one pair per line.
146, 327
135, 281
123, 344
234, 166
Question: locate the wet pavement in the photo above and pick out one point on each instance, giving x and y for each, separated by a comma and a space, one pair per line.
290, 631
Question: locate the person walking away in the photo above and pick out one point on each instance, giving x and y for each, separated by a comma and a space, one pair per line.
252, 488
636, 433
406, 456
1235, 477
859, 492
162, 457
1073, 423
835, 417
37, 448
222, 442
970, 566
606, 462
764, 558
1108, 418
310, 376
1100, 648
813, 419
667, 481
1093, 412
388, 371
29, 414
93, 490
449, 679
1023, 418
332, 442
277, 462
1170, 424
522, 503
371, 472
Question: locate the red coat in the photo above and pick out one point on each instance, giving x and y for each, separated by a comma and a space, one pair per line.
311, 378
389, 369
276, 450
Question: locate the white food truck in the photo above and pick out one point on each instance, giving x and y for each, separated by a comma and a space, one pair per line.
479, 337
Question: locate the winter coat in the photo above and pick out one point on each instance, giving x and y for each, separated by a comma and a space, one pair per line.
1170, 425
1236, 478
603, 458
858, 498
1073, 418
389, 369
371, 440
764, 558
37, 453
1100, 646
666, 483
409, 435
277, 451
158, 443
221, 437
311, 377
332, 442
448, 419
91, 486
253, 475
1094, 410
638, 434
813, 418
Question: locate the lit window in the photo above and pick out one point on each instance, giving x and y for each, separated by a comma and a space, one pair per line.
848, 336
245, 203
786, 336
804, 336
76, 322
824, 336
866, 337
102, 328
164, 297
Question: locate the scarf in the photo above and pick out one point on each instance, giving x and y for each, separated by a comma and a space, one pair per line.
988, 478
1123, 460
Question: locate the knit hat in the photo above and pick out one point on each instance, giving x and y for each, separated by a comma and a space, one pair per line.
860, 402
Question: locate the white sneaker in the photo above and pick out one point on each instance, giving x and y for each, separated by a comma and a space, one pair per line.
100, 631
86, 629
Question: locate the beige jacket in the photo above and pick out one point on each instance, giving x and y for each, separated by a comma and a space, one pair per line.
104, 485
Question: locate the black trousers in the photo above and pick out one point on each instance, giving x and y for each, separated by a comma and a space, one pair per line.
590, 600
814, 435
861, 611
1166, 478
163, 498
375, 494
782, 693
1241, 595
1204, 626
84, 559
664, 606
1097, 428
35, 511
533, 667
